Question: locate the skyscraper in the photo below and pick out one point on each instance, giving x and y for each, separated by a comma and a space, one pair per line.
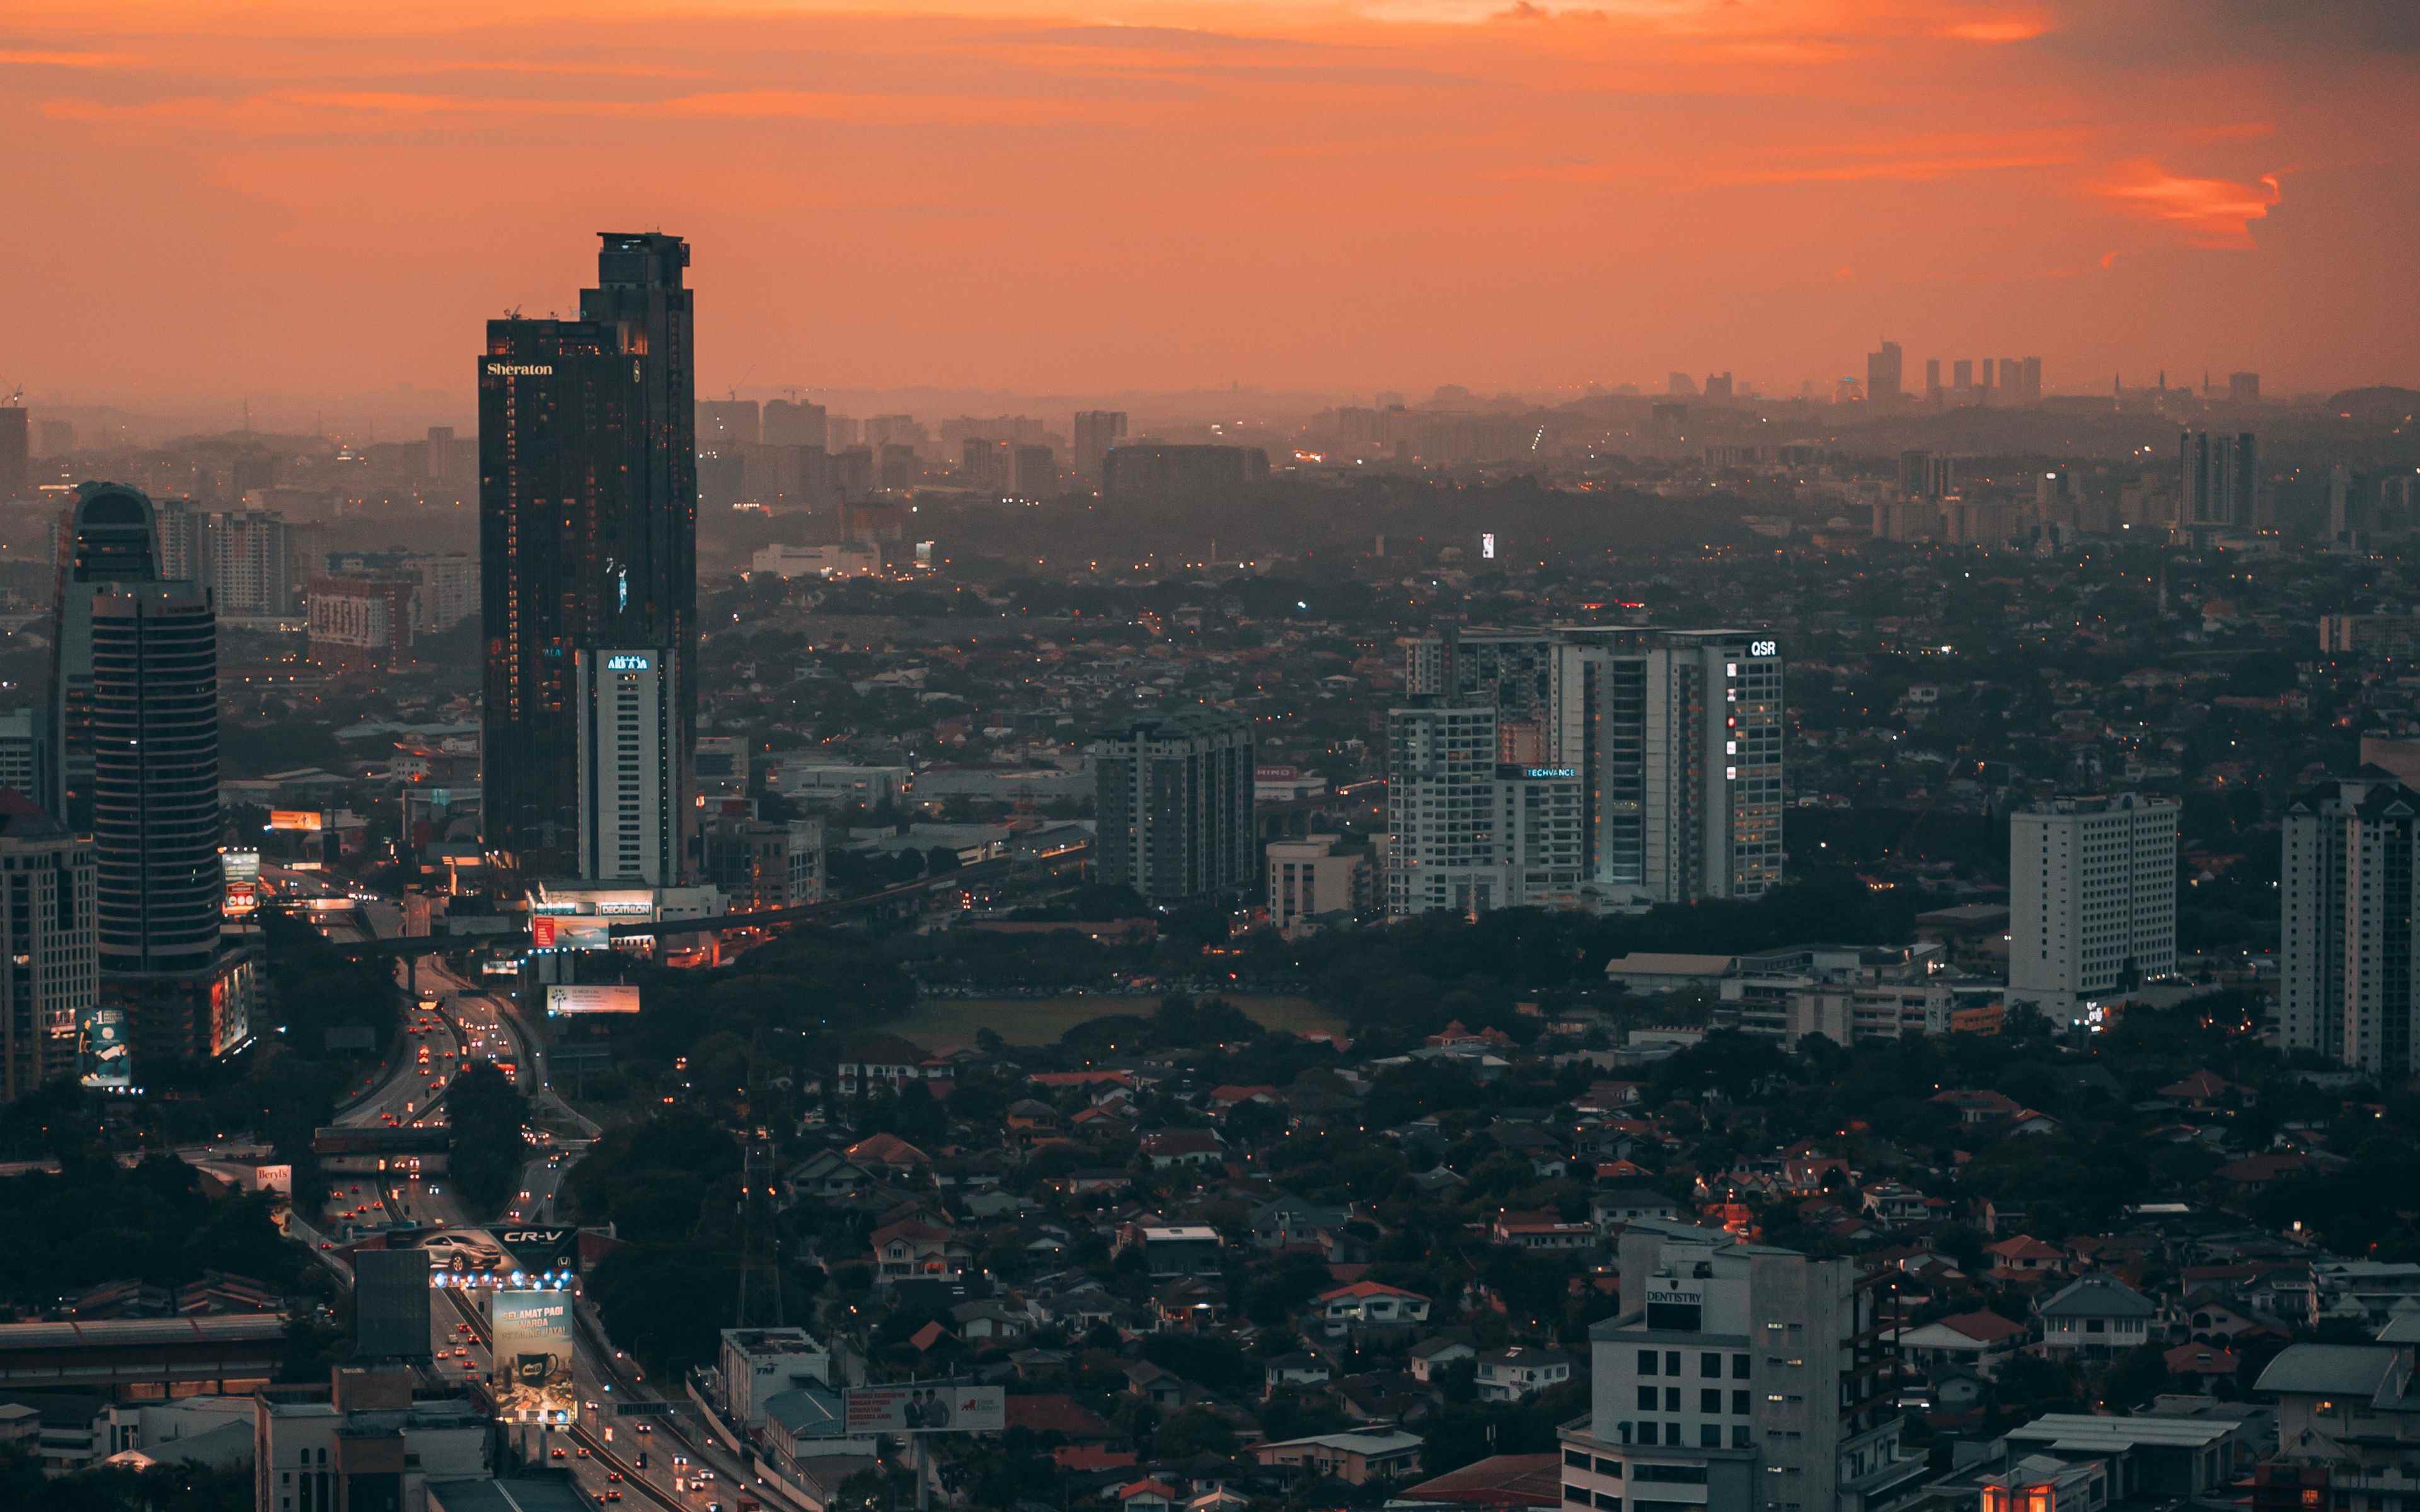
1469, 833
155, 733
1677, 734
588, 526
1097, 431
185, 538
159, 891
250, 560
2092, 899
1176, 807
1884, 385
2218, 483
16, 453
2029, 379
795, 422
46, 990
105, 537
634, 803
2348, 944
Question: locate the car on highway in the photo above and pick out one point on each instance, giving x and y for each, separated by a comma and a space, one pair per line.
558, 1454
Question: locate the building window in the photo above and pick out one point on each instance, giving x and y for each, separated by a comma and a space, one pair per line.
1647, 1361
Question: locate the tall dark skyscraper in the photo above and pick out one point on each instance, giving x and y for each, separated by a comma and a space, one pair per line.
587, 528
16, 453
159, 888
105, 537
155, 733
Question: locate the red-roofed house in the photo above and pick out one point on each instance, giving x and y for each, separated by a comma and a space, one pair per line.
2024, 1258
2253, 1172
888, 1061
1223, 1099
2202, 1089
1057, 1412
1499, 1480
1979, 1108
1370, 1301
888, 1154
2203, 1361
912, 1248
1146, 1496
1540, 1231
1183, 1146
1978, 1341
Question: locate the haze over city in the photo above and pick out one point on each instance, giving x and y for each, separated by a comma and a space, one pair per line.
300, 201
1383, 756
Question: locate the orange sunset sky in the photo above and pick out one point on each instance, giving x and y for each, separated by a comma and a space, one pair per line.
209, 200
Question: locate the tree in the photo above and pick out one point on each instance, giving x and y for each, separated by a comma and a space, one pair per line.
2135, 1378
1194, 1431
486, 1114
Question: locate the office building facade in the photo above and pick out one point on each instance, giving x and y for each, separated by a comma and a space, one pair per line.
588, 526
155, 726
1675, 738
251, 559
1738, 1378
1174, 807
2092, 899
2349, 942
357, 621
1097, 431
16, 453
48, 983
106, 536
1177, 472
1678, 736
1316, 876
1886, 375
758, 864
2218, 483
1469, 833
635, 809
158, 890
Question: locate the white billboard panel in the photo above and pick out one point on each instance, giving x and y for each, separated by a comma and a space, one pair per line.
928, 1410
582, 998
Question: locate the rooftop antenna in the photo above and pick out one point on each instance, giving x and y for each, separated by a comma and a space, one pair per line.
15, 397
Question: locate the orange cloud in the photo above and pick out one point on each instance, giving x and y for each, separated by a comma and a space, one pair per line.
1999, 30
2212, 212
18, 59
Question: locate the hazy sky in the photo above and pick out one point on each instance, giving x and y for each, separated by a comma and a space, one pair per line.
212, 198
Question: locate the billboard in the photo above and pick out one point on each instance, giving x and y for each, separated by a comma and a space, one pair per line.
307, 821
105, 1059
934, 1409
571, 932
563, 998
532, 1356
500, 966
542, 1251
390, 1305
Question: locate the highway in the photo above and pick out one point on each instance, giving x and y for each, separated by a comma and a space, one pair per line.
471, 1023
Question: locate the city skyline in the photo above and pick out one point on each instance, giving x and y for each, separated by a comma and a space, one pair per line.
1223, 193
